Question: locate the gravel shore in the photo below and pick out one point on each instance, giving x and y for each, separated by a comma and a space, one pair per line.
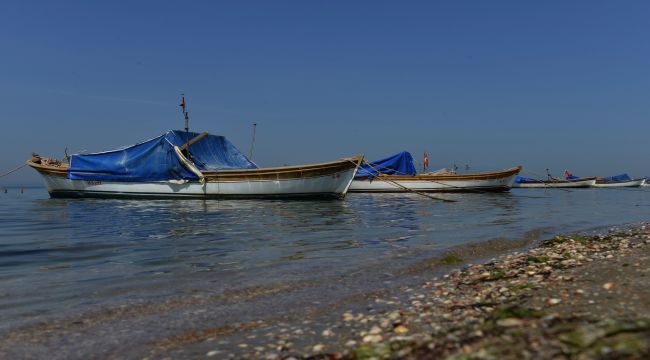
570, 297
577, 297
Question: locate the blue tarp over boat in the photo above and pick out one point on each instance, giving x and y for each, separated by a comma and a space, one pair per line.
398, 164
521, 179
156, 160
616, 178
212, 152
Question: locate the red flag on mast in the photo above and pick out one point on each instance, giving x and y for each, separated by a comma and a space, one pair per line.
426, 161
183, 103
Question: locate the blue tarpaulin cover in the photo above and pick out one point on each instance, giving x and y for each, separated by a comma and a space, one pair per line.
212, 152
520, 179
615, 178
398, 164
156, 160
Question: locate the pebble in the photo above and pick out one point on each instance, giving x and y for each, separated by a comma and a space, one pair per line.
511, 322
609, 286
553, 301
372, 339
400, 329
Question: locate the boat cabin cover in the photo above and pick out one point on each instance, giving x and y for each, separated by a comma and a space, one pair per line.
398, 164
157, 160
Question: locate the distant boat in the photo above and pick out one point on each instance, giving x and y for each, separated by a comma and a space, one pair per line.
622, 180
179, 164
521, 182
397, 174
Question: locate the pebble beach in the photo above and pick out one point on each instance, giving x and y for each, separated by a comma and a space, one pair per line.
569, 297
582, 294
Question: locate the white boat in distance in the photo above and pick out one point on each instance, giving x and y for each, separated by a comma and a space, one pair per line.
618, 184
207, 166
556, 183
489, 182
617, 181
397, 173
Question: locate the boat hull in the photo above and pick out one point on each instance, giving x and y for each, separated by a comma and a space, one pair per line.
618, 184
328, 180
484, 182
584, 183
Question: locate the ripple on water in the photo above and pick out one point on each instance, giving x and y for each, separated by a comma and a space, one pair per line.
58, 254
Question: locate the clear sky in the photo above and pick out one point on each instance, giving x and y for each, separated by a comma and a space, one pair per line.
544, 84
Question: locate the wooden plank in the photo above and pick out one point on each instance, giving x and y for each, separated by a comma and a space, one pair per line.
193, 140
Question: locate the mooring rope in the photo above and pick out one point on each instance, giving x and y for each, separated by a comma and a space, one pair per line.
406, 188
458, 187
13, 171
545, 181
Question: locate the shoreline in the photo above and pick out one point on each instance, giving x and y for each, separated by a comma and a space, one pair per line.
567, 297
519, 301
571, 296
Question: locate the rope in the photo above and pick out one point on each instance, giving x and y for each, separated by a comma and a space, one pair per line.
405, 188
545, 181
14, 170
458, 187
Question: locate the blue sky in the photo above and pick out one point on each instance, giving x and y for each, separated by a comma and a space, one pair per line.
553, 84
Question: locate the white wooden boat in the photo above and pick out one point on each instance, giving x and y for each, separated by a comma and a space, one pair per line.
315, 180
557, 183
330, 179
618, 184
490, 181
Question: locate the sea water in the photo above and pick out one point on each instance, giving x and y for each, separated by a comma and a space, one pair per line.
61, 257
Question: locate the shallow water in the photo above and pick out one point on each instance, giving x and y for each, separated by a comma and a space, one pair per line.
60, 256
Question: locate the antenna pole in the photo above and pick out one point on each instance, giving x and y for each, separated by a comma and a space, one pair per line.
187, 129
253, 142
187, 122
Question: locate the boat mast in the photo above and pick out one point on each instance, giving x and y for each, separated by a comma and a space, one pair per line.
187, 122
253, 142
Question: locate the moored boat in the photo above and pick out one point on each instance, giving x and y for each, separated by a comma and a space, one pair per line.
189, 165
397, 174
521, 182
617, 181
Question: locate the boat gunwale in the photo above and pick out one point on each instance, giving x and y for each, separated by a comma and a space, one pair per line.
351, 161
454, 177
605, 182
273, 173
560, 181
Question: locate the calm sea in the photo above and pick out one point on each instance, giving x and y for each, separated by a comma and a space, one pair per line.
62, 257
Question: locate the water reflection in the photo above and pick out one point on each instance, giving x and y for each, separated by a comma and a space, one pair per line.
59, 253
